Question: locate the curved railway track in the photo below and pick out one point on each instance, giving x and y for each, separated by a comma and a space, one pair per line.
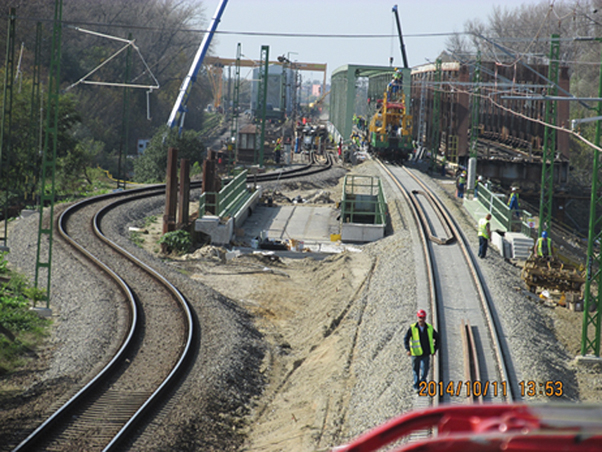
104, 413
459, 304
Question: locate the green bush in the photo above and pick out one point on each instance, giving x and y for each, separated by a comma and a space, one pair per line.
3, 264
21, 328
176, 242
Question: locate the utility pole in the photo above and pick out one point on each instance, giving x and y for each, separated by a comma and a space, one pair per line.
262, 96
35, 135
590, 331
125, 127
7, 119
233, 144
49, 153
474, 130
549, 142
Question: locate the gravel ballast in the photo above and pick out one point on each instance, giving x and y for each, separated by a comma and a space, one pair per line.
228, 393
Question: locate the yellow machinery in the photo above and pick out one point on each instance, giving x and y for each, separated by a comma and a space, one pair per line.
390, 128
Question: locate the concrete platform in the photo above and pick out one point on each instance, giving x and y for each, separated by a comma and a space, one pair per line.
312, 225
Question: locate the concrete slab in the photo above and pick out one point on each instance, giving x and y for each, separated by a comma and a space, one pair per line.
588, 360
311, 224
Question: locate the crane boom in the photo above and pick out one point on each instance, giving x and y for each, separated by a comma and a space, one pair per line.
179, 108
403, 47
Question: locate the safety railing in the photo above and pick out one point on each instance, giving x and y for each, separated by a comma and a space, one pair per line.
226, 202
511, 220
363, 200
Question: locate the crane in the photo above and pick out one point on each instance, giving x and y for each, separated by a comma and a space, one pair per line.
403, 47
179, 109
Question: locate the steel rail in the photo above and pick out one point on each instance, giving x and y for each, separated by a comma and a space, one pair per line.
491, 326
494, 329
450, 236
430, 272
185, 354
44, 431
472, 369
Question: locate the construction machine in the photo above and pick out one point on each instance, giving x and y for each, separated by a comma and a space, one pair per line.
390, 128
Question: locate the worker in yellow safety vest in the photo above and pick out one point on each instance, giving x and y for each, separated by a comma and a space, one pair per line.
484, 235
421, 342
513, 202
543, 246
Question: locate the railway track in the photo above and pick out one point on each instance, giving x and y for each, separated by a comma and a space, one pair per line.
136, 380
472, 364
104, 412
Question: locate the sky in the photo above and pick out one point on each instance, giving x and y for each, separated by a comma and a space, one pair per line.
424, 24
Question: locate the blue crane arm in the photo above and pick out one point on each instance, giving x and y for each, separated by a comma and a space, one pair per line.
179, 108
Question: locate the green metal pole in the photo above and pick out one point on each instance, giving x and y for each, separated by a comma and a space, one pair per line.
590, 332
7, 118
549, 142
474, 129
35, 136
49, 154
125, 127
262, 97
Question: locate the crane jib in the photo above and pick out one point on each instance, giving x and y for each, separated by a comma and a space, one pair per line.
180, 105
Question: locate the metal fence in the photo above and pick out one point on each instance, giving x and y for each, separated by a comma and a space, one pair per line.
228, 200
363, 200
511, 220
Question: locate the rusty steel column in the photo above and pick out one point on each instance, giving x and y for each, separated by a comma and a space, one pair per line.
184, 193
171, 192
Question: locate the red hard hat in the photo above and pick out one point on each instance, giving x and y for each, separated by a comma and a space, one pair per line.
421, 313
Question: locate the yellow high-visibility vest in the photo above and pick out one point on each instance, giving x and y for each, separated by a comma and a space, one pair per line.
415, 347
540, 246
483, 222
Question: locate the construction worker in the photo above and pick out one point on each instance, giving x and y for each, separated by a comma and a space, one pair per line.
484, 235
421, 341
513, 202
476, 186
543, 246
278, 151
461, 184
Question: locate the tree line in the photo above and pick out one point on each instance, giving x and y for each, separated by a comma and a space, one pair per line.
91, 117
